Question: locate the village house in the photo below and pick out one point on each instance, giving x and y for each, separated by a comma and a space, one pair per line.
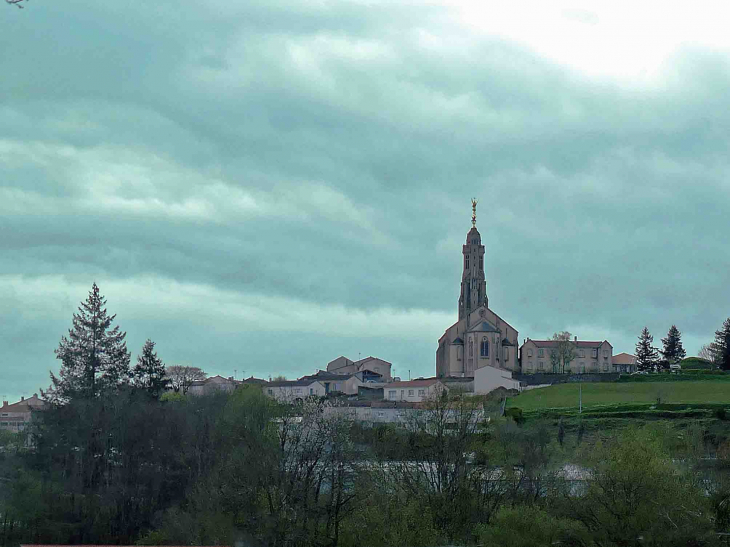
414, 391
371, 369
290, 391
589, 357
624, 362
16, 417
213, 384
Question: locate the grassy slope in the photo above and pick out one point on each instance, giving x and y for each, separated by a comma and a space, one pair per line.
597, 394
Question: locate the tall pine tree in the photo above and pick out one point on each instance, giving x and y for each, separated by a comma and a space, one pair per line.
94, 356
721, 346
673, 352
646, 354
149, 372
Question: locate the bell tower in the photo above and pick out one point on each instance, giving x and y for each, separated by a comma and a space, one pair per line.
473, 286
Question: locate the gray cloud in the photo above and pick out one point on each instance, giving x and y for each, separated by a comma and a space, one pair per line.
323, 156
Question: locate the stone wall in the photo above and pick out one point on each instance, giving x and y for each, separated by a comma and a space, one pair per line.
544, 379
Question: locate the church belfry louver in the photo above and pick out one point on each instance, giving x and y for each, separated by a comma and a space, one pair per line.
480, 338
473, 286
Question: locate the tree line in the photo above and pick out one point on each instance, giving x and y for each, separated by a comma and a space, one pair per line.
649, 358
128, 468
95, 361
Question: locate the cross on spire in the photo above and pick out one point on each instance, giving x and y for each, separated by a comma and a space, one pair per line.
474, 202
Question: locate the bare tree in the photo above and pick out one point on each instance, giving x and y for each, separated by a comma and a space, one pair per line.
15, 2
307, 495
181, 377
563, 353
707, 352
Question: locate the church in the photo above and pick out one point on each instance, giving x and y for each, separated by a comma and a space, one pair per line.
480, 337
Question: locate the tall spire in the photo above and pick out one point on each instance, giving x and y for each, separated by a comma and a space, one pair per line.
473, 285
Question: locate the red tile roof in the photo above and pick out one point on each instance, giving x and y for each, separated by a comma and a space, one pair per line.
554, 343
624, 359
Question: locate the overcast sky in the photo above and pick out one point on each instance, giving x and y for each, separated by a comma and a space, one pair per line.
264, 185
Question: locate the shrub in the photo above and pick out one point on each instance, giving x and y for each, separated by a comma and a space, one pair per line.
515, 413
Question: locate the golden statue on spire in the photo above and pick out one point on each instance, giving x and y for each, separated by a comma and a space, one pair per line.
474, 202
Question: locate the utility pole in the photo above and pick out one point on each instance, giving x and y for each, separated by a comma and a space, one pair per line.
580, 398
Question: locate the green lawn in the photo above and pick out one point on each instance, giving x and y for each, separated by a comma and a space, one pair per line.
605, 393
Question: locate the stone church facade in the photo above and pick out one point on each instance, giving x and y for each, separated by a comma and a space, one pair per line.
480, 337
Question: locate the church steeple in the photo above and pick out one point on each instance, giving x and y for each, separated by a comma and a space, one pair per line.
473, 286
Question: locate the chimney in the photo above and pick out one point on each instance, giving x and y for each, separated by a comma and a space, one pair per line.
230, 377
575, 339
5, 403
22, 398
35, 395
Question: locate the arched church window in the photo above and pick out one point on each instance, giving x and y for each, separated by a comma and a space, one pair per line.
485, 347
466, 262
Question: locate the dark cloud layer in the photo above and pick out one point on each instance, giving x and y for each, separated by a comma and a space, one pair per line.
263, 187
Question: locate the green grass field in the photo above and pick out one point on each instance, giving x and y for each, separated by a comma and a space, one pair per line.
616, 393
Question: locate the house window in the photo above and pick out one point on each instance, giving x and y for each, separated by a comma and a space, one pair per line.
605, 368
421, 392
381, 414
466, 262
391, 394
582, 353
271, 391
605, 354
540, 353
595, 353
582, 368
485, 347
297, 390
529, 366
541, 365
410, 393
311, 391
529, 352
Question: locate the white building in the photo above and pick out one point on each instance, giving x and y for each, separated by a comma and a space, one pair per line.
414, 391
290, 391
487, 379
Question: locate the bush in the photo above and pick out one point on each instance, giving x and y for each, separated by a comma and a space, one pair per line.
528, 527
515, 413
721, 413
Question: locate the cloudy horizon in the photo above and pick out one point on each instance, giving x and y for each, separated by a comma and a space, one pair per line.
260, 187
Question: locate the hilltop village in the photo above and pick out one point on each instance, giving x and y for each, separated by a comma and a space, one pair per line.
479, 353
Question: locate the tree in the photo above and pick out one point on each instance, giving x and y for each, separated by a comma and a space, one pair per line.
673, 352
94, 357
707, 353
646, 354
721, 346
182, 377
149, 372
563, 352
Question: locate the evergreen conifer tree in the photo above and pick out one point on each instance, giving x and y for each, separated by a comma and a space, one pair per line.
94, 356
721, 346
646, 354
149, 372
673, 351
